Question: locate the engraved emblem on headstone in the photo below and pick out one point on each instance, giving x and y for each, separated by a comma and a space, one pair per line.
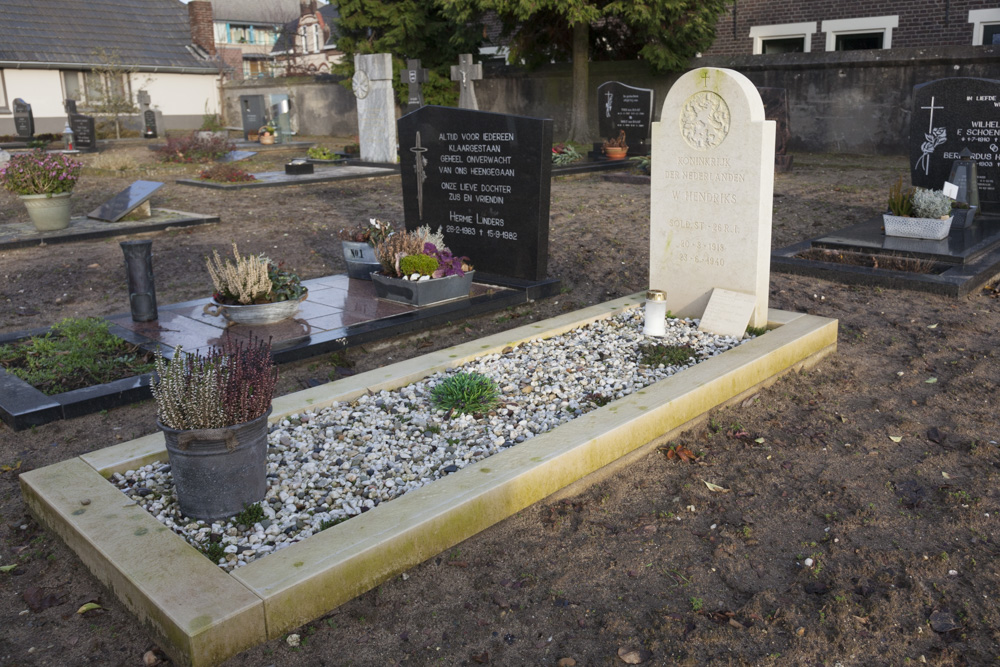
608, 103
934, 137
465, 72
360, 84
704, 120
419, 162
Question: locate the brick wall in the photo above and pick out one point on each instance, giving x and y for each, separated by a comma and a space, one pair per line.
921, 22
202, 31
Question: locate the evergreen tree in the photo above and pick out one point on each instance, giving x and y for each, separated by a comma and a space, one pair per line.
406, 29
664, 33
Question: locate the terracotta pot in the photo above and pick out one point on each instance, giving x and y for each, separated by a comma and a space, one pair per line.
614, 153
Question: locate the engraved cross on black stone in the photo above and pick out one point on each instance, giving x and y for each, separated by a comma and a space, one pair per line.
414, 75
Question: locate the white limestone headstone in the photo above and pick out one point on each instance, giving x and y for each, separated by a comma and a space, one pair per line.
372, 86
711, 193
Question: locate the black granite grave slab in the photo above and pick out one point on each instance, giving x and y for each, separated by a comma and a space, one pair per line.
24, 234
483, 177
338, 313
947, 116
24, 119
624, 107
125, 201
958, 265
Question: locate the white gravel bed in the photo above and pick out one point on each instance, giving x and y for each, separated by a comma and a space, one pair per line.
329, 465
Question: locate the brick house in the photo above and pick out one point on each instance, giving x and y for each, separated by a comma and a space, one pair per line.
242, 32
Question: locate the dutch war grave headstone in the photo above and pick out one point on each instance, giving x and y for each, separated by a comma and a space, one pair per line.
484, 178
711, 193
949, 115
776, 108
466, 73
372, 85
252, 114
413, 76
24, 119
624, 107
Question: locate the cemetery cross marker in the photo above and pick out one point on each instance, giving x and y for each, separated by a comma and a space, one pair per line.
413, 76
372, 84
466, 72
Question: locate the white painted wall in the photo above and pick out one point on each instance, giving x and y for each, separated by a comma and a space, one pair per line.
40, 88
180, 94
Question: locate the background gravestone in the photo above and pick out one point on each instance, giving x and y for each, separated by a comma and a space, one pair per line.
281, 116
152, 119
483, 177
84, 131
711, 193
466, 73
24, 119
623, 107
947, 116
372, 84
252, 113
776, 108
413, 76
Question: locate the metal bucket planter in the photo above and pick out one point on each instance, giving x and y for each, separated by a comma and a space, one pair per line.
360, 258
422, 293
218, 471
933, 229
256, 313
48, 212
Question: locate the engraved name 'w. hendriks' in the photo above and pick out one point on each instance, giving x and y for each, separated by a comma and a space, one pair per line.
705, 197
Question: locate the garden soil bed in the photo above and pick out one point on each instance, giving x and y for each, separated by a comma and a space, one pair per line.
880, 465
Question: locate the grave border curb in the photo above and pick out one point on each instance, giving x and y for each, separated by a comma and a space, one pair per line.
343, 561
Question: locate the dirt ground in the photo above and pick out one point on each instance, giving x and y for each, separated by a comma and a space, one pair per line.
880, 465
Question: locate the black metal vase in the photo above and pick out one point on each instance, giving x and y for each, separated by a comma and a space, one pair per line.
218, 471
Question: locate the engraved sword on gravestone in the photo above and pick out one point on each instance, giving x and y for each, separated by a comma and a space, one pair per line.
419, 160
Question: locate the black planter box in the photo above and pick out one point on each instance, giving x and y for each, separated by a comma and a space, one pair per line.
298, 168
422, 293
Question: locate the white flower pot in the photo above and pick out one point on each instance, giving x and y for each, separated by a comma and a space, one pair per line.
916, 228
48, 212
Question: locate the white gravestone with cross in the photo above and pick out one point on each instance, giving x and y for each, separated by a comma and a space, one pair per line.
372, 84
465, 72
711, 193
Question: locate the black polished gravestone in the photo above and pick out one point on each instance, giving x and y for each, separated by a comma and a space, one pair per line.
622, 107
484, 178
83, 131
125, 201
413, 76
947, 116
24, 120
252, 112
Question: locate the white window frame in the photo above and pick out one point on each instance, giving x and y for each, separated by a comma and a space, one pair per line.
759, 33
979, 18
882, 24
4, 106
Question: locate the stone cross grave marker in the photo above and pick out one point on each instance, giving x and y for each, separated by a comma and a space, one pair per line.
372, 84
947, 116
711, 193
413, 76
484, 178
623, 107
24, 119
465, 72
151, 121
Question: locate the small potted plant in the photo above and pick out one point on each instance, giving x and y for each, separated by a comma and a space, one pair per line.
266, 134
322, 154
616, 149
359, 243
418, 269
213, 412
563, 154
44, 182
253, 289
917, 213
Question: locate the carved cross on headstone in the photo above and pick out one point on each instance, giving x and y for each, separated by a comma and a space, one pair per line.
465, 72
414, 75
143, 98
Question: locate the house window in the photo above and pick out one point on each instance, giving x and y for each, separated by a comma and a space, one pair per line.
3, 95
221, 33
985, 26
316, 43
94, 89
783, 38
871, 32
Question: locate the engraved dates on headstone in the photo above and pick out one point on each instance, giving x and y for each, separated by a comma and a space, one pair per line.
24, 120
948, 116
711, 193
622, 107
483, 178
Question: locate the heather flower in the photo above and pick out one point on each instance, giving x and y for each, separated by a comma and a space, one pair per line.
40, 173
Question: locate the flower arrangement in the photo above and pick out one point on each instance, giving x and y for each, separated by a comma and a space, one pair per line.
918, 202
565, 154
617, 142
373, 233
40, 173
190, 148
419, 255
226, 387
226, 172
251, 279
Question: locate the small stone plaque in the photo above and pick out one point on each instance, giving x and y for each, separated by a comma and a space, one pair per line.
484, 178
728, 313
949, 115
622, 107
24, 119
125, 201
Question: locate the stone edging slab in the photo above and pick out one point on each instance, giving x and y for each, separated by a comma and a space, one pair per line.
202, 615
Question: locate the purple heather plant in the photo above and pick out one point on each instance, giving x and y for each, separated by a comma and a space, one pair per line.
448, 264
40, 173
